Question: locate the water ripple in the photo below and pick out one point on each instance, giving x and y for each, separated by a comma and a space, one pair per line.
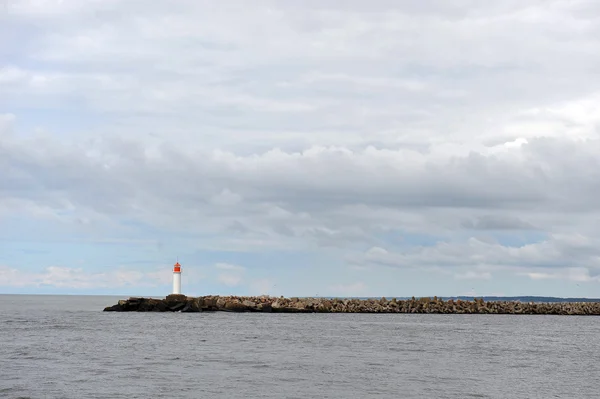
47, 351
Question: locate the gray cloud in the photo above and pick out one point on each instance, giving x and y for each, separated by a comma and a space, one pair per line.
509, 189
497, 223
572, 257
327, 125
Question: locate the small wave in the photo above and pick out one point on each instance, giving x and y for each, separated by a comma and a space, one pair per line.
59, 327
520, 366
406, 350
12, 390
375, 364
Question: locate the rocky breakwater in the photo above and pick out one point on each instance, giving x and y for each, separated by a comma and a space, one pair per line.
175, 303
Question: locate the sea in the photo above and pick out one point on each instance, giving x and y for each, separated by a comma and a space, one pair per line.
67, 347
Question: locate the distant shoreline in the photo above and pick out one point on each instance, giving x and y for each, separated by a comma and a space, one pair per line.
266, 304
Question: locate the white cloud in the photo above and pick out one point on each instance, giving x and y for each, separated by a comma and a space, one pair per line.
233, 276
473, 275
238, 276
6, 124
556, 251
576, 274
263, 286
77, 278
229, 279
351, 289
228, 266
567, 257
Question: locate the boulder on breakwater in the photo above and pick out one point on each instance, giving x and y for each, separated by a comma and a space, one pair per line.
175, 303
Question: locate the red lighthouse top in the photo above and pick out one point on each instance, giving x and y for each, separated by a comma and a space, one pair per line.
177, 268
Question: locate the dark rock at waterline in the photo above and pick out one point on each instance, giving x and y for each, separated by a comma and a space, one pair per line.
176, 303
113, 308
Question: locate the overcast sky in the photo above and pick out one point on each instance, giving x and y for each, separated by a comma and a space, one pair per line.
363, 148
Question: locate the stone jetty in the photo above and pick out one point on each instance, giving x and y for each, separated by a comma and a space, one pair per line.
176, 303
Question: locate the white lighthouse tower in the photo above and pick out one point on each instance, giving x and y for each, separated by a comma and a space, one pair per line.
177, 278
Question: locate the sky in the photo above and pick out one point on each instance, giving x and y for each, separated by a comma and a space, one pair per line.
315, 148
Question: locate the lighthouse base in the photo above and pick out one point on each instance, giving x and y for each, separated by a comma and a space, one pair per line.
175, 298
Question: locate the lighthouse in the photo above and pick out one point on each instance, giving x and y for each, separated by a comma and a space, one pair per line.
177, 278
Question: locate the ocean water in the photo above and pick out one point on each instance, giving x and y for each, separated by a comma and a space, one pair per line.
66, 347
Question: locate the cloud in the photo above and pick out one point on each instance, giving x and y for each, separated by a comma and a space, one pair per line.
349, 131
473, 275
577, 274
321, 197
556, 251
228, 266
352, 289
567, 257
229, 279
233, 276
6, 125
263, 286
514, 190
77, 278
236, 276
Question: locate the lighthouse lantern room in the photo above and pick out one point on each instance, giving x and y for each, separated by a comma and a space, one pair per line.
177, 278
